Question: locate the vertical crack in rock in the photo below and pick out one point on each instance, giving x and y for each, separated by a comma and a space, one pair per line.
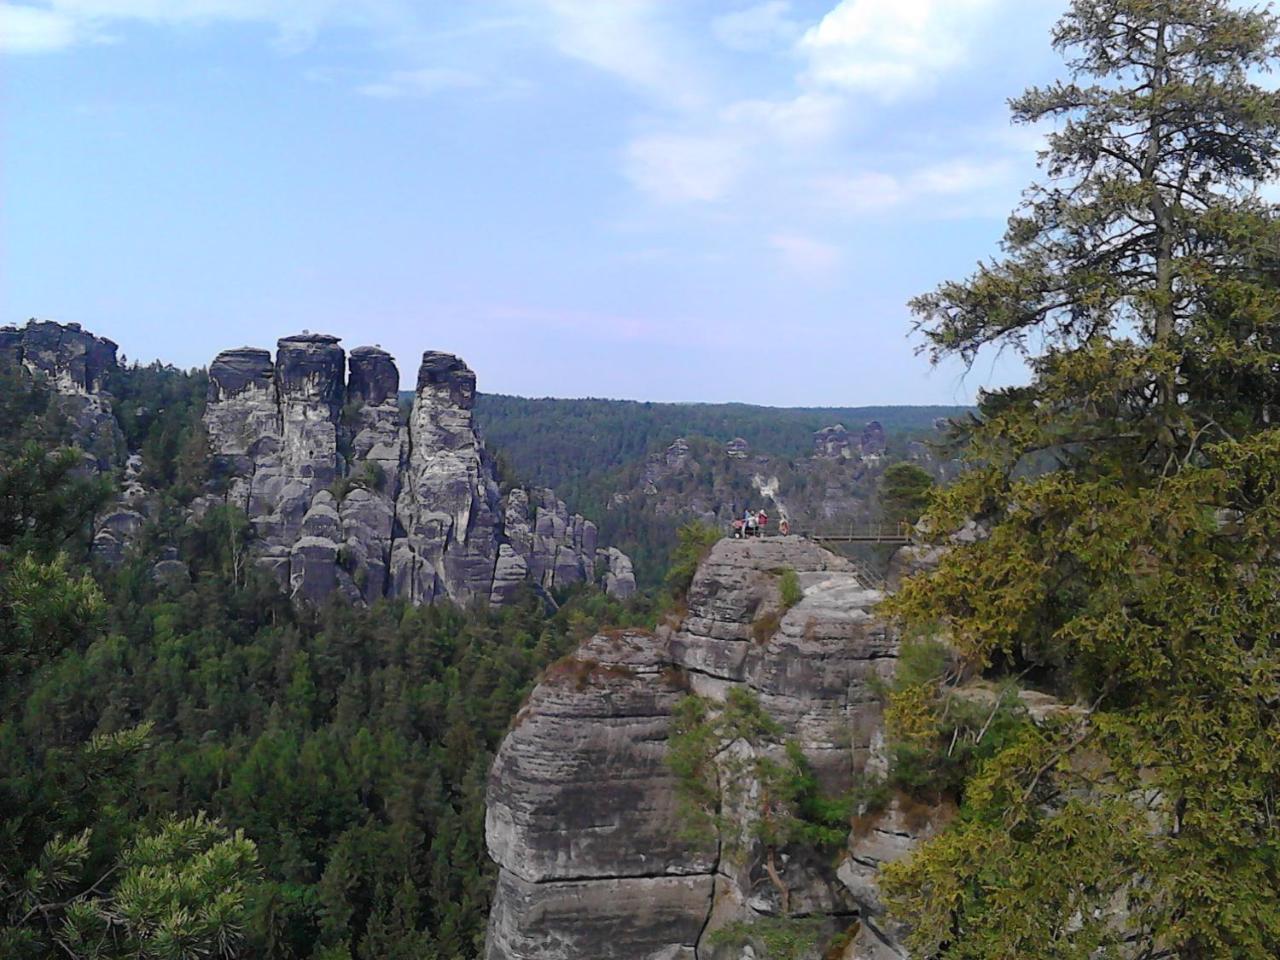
344, 498
582, 808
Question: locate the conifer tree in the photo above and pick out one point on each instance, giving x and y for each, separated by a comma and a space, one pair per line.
1138, 572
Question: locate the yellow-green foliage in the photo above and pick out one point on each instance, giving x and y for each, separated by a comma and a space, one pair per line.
1142, 573
792, 807
774, 938
789, 589
695, 541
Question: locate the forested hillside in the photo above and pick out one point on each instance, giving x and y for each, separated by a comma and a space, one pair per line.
316, 777
641, 469
573, 445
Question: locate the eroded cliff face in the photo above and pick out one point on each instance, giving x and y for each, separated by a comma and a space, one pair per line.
76, 365
344, 497
582, 809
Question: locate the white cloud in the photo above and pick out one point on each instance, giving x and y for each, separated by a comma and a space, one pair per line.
890, 47
803, 119
805, 255
34, 29
756, 28
673, 168
627, 38
420, 83
961, 179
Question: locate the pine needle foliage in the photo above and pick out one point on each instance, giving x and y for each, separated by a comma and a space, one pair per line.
1139, 573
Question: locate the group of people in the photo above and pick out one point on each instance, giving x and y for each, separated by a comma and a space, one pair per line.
752, 524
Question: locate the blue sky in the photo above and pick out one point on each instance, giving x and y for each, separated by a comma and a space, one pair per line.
651, 199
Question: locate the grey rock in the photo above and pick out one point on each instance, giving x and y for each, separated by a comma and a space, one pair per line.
374, 378
246, 369
76, 365
582, 805
75, 362
419, 515
509, 575
630, 918
873, 442
834, 443
114, 533
737, 449
448, 502
313, 570
619, 577
171, 573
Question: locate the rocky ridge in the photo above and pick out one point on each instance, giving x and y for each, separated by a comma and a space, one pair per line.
77, 366
345, 497
582, 813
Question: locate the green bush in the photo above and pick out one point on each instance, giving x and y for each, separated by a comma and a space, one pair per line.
790, 589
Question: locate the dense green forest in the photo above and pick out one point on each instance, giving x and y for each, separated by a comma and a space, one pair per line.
576, 446
325, 769
1137, 580
592, 451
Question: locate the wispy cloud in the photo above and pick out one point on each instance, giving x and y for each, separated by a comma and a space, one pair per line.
57, 24
760, 27
420, 83
34, 29
877, 191
802, 119
676, 168
631, 40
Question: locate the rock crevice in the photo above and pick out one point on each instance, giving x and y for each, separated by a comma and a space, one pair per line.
346, 497
581, 796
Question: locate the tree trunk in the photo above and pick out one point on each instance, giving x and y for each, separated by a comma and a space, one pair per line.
772, 869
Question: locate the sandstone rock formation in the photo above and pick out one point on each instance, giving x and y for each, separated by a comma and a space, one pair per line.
582, 816
834, 443
346, 498
76, 365
873, 441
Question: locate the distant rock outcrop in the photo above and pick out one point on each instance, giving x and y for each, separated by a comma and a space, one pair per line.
346, 498
873, 441
76, 365
582, 810
834, 443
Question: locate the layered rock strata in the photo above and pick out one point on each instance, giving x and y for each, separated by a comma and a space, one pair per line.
347, 498
582, 810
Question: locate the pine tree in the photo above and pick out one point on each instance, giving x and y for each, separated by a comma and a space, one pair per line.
1138, 570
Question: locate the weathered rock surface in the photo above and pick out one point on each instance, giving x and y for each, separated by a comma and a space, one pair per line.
698, 479
873, 441
582, 805
834, 443
345, 498
76, 365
